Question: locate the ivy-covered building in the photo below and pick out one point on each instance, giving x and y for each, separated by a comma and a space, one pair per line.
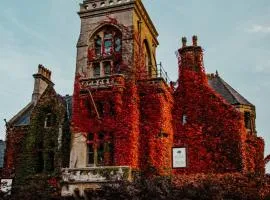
127, 117
38, 136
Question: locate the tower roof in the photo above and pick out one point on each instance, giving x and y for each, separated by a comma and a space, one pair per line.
226, 91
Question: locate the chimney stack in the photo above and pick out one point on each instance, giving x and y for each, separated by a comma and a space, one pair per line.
191, 56
42, 80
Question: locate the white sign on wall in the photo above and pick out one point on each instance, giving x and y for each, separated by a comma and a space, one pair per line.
179, 157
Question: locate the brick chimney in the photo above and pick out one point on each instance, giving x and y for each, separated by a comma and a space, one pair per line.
191, 57
42, 80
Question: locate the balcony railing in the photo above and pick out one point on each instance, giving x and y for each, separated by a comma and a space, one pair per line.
100, 82
159, 72
96, 174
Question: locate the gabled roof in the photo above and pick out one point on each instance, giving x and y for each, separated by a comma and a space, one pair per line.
226, 91
23, 117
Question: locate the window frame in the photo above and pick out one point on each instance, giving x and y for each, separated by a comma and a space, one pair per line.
96, 142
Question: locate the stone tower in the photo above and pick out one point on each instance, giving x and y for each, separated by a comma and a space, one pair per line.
121, 103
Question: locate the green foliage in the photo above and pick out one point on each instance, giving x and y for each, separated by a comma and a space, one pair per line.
186, 187
41, 152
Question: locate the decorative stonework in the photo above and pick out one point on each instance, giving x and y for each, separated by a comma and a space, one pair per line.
96, 174
107, 81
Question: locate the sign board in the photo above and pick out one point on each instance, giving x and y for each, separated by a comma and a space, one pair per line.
6, 185
179, 157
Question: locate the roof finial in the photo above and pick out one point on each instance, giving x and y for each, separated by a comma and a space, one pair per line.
217, 73
194, 40
184, 41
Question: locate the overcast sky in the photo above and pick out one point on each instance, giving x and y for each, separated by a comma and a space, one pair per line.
235, 35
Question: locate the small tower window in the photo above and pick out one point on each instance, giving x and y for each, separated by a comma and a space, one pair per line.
247, 120
96, 68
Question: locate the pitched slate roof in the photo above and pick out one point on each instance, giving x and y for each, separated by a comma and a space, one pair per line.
23, 117
226, 91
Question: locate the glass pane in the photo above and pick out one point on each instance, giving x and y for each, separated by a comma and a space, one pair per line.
108, 36
98, 45
101, 154
90, 154
118, 44
108, 46
107, 68
96, 69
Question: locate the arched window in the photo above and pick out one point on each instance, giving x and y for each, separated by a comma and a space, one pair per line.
148, 60
107, 51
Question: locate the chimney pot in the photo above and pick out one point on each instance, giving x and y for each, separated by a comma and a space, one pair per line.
194, 40
184, 41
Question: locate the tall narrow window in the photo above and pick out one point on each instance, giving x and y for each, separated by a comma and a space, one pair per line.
98, 44
247, 120
108, 150
117, 44
100, 150
107, 68
96, 69
148, 61
90, 149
